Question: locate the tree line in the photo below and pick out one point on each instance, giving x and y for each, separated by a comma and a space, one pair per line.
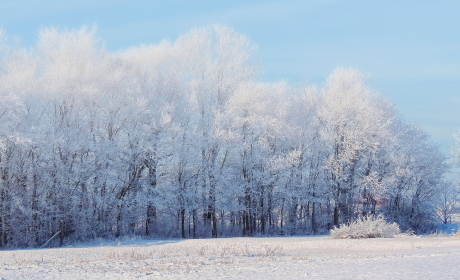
183, 140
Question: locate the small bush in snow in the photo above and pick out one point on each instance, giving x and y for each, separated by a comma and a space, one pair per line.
366, 227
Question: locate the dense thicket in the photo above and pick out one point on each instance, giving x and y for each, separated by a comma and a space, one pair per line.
182, 140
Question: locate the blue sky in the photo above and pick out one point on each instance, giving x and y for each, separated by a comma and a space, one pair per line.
409, 49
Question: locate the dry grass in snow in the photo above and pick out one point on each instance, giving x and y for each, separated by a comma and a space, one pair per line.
409, 257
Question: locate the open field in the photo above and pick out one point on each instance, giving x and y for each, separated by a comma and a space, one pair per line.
409, 257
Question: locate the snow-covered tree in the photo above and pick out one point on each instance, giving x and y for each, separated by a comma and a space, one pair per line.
352, 128
181, 139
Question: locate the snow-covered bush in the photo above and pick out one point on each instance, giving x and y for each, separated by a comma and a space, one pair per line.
366, 227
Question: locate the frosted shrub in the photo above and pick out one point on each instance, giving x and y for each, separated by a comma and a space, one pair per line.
366, 227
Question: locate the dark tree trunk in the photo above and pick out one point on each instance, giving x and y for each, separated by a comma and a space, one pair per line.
336, 215
151, 217
182, 222
313, 218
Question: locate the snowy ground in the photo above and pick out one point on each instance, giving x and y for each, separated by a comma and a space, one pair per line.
407, 257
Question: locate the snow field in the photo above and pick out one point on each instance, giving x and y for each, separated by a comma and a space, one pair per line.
409, 257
